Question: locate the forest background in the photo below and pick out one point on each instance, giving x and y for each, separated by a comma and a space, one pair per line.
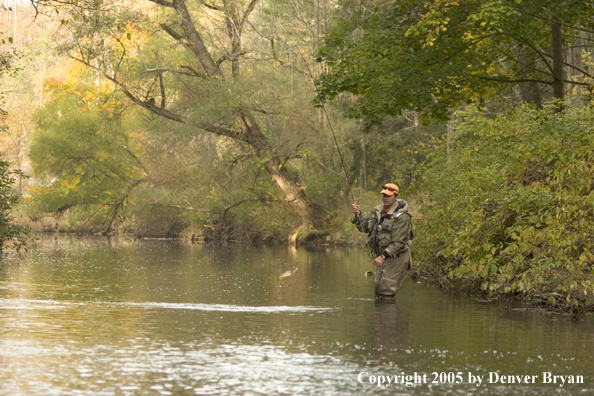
262, 120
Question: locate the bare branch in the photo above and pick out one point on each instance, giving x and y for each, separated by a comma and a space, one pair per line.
538, 52
140, 56
162, 2
212, 7
120, 203
247, 13
224, 132
194, 41
149, 105
228, 57
586, 84
194, 72
161, 84
544, 54
520, 80
253, 199
222, 212
172, 32
554, 21
188, 208
574, 67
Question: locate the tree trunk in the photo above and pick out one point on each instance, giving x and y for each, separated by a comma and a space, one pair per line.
193, 40
450, 137
293, 195
529, 92
364, 183
281, 177
558, 79
233, 31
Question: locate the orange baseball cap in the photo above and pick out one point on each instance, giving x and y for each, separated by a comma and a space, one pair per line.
390, 189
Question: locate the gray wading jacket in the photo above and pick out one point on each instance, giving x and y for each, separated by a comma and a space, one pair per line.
391, 234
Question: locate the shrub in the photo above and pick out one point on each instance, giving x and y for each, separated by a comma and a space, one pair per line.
11, 235
510, 208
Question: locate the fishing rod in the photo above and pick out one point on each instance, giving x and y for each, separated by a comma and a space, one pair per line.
346, 175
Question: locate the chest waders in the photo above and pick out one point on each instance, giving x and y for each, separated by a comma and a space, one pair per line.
391, 274
390, 236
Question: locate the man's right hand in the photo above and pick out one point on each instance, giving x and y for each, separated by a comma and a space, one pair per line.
356, 210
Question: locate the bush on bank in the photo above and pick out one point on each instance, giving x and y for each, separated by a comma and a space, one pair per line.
509, 208
12, 235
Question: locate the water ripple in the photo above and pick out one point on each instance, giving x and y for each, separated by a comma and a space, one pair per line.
22, 304
226, 307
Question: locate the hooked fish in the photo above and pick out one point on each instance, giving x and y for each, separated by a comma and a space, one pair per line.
286, 274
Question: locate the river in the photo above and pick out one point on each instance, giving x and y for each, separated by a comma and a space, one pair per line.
98, 316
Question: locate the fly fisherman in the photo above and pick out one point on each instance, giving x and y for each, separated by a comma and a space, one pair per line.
389, 228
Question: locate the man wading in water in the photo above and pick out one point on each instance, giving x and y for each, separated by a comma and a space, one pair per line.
389, 226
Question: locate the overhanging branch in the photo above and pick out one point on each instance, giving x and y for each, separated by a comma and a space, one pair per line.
162, 2
554, 21
520, 80
149, 105
221, 212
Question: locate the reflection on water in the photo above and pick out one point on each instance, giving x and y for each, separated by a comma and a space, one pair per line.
127, 317
391, 327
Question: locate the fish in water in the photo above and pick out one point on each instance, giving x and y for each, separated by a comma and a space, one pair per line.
286, 274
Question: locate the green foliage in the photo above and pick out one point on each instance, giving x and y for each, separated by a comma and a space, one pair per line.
100, 165
434, 57
86, 160
510, 206
393, 151
212, 71
11, 234
371, 57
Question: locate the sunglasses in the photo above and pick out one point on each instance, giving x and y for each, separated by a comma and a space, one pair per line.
389, 189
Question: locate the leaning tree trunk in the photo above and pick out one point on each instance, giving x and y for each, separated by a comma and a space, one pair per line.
279, 174
293, 195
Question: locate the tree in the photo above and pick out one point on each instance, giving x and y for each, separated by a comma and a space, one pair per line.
10, 233
99, 165
171, 59
85, 155
435, 57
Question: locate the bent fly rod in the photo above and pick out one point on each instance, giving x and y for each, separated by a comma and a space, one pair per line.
346, 175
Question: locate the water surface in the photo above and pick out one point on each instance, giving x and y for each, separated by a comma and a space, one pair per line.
92, 316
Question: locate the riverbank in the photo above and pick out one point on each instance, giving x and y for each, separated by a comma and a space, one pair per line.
511, 208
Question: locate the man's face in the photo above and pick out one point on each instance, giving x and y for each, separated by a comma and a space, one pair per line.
389, 199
